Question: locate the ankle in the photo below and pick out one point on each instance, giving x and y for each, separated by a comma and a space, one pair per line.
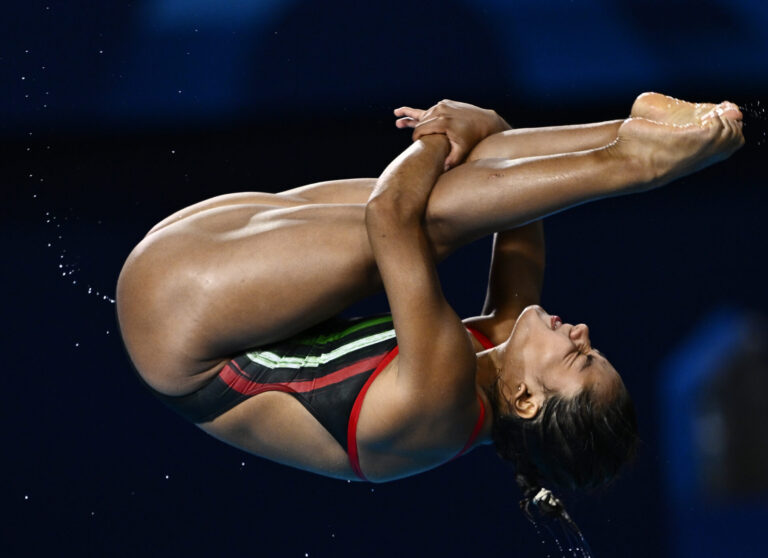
634, 169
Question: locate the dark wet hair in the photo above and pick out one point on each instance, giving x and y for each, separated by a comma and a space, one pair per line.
573, 443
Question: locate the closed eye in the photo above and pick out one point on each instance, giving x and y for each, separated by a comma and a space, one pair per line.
587, 362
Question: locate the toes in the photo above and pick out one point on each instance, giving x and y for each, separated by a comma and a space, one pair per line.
731, 110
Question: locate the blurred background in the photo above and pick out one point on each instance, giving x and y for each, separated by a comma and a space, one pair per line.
115, 114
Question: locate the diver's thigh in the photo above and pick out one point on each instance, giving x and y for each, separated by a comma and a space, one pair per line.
352, 190
285, 271
235, 277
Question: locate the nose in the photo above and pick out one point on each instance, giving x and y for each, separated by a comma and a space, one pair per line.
580, 333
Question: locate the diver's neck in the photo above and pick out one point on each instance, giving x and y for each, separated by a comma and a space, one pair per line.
488, 369
489, 366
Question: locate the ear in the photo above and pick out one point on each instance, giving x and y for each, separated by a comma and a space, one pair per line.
526, 405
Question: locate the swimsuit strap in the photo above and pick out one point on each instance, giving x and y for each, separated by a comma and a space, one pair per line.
484, 341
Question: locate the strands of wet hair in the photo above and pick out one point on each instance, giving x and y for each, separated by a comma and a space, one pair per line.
570, 543
542, 507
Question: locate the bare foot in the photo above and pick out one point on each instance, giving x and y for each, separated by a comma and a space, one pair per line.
668, 110
664, 152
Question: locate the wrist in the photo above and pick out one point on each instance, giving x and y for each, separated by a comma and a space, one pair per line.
436, 142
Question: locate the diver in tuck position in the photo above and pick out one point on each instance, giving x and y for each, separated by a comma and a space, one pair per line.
228, 307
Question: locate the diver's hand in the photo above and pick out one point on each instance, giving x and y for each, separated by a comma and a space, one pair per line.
464, 124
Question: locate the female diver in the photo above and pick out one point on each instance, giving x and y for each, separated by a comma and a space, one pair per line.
228, 307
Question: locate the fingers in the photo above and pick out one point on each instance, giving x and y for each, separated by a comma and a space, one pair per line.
456, 156
406, 122
409, 112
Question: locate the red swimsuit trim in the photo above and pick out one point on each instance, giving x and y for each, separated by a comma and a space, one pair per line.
484, 341
354, 457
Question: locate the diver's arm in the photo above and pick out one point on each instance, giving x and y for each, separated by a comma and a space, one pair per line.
515, 280
440, 371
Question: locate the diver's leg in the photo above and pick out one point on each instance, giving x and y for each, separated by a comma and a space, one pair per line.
234, 277
534, 142
490, 195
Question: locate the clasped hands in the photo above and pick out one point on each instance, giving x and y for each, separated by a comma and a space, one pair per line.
465, 125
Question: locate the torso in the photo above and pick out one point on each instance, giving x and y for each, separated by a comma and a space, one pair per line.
276, 426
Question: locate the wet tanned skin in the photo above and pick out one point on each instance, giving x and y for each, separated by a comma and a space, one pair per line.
243, 270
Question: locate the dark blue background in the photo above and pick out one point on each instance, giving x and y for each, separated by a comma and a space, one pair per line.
114, 114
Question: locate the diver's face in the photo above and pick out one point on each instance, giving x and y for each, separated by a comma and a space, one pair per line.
546, 356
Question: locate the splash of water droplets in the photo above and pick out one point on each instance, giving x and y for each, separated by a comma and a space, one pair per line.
69, 268
755, 122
